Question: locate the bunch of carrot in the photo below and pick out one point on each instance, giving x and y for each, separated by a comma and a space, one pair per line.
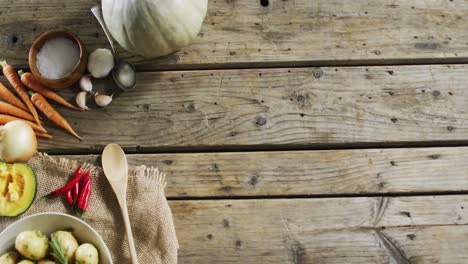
25, 109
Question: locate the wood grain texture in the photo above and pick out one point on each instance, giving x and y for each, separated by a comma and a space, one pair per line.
428, 229
243, 32
298, 107
336, 172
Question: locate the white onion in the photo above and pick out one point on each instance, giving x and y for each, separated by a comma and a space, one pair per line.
18, 142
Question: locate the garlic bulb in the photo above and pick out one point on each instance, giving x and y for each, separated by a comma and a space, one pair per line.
102, 99
86, 84
81, 100
100, 63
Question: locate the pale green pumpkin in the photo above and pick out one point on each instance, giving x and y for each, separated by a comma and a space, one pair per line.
154, 28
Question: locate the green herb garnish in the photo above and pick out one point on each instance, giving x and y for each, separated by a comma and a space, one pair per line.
57, 252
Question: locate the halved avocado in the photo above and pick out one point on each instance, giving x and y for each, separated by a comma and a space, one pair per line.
17, 188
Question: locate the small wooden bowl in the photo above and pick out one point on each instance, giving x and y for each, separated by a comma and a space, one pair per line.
71, 77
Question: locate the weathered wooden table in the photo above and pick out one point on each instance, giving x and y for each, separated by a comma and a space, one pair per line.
300, 131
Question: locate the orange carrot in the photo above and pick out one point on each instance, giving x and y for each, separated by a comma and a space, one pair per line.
41, 103
6, 108
15, 81
8, 96
43, 135
30, 81
8, 118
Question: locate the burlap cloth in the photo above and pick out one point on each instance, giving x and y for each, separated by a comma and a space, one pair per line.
150, 215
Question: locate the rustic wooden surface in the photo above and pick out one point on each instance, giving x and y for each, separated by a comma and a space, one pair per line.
430, 229
243, 32
282, 138
299, 173
297, 107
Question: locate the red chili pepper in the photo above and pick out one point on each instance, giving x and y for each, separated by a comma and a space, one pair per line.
76, 192
83, 199
76, 178
70, 198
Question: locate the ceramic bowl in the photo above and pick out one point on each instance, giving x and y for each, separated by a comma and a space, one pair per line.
48, 223
71, 77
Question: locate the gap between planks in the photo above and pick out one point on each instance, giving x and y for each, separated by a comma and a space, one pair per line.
308, 64
292, 65
323, 196
259, 148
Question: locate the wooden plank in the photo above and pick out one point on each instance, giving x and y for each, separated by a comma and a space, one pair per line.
263, 108
348, 230
335, 172
243, 32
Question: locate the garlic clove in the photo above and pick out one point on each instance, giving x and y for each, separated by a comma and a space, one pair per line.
102, 100
86, 84
81, 100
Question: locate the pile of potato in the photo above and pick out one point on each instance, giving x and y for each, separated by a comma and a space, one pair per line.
33, 247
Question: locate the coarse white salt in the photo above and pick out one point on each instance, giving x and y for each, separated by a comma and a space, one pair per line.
57, 58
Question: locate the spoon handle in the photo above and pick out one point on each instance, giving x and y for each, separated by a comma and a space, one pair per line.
97, 13
128, 228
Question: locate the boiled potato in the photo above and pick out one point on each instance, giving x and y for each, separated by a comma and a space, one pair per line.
68, 244
9, 258
87, 254
47, 261
32, 245
26, 261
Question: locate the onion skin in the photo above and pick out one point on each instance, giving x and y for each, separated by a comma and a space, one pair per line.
18, 142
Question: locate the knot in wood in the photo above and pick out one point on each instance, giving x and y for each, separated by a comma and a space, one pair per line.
317, 72
261, 121
13, 40
190, 108
253, 180
264, 3
301, 98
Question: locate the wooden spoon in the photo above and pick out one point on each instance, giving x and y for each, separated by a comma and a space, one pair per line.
115, 166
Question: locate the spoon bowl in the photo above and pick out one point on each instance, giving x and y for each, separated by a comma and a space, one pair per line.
115, 166
124, 75
114, 163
